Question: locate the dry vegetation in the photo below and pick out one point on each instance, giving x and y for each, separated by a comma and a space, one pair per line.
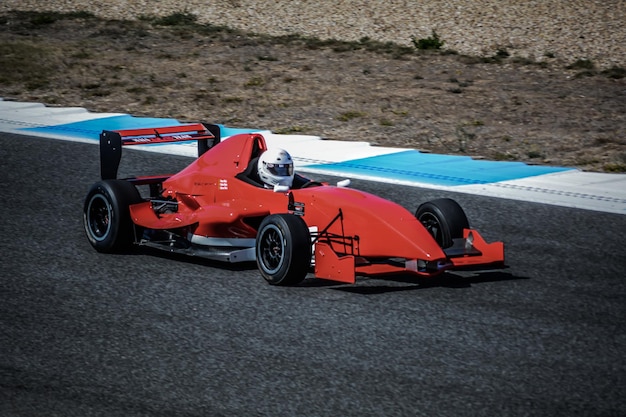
436, 100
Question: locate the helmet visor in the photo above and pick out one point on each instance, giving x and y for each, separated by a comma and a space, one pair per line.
281, 170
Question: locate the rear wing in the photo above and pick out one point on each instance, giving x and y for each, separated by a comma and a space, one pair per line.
112, 141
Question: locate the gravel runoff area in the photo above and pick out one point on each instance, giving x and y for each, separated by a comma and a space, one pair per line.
566, 30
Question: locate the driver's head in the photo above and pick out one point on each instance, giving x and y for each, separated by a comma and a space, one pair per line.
275, 167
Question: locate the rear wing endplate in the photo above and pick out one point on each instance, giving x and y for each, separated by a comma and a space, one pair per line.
112, 141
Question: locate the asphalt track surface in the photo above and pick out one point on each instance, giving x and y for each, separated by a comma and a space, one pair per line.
147, 334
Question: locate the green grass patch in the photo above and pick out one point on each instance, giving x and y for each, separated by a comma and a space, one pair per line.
254, 82
47, 18
349, 115
136, 90
616, 167
502, 156
182, 18
432, 42
314, 43
290, 130
582, 64
614, 72
23, 62
534, 154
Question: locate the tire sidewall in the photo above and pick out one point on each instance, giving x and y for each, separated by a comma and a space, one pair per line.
116, 195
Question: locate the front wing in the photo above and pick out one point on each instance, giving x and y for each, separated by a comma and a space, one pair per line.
471, 251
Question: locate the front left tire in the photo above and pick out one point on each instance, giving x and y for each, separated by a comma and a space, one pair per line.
106, 215
283, 249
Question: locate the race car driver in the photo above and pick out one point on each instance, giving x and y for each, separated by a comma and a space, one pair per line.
275, 167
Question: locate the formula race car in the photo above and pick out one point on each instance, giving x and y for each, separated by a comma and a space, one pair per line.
218, 208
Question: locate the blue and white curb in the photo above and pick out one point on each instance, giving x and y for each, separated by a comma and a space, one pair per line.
513, 180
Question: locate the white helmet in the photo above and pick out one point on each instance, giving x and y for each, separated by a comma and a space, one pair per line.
275, 167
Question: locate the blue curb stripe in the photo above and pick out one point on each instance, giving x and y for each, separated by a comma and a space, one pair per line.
446, 170
407, 166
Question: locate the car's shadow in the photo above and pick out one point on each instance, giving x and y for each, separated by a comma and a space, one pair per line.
363, 285
395, 283
195, 260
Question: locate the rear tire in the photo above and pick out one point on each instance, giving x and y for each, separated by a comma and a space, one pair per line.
106, 215
444, 219
283, 249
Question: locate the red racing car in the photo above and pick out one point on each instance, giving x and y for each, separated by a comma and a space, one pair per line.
228, 206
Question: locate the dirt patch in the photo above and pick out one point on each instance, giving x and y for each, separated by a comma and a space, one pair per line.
498, 108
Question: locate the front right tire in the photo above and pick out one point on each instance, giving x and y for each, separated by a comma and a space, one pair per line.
444, 219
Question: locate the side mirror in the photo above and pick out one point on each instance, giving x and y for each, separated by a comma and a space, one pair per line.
278, 188
343, 183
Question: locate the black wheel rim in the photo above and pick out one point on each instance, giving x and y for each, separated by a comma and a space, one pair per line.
272, 249
99, 217
432, 224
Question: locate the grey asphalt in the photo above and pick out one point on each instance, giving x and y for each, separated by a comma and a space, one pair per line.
148, 334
